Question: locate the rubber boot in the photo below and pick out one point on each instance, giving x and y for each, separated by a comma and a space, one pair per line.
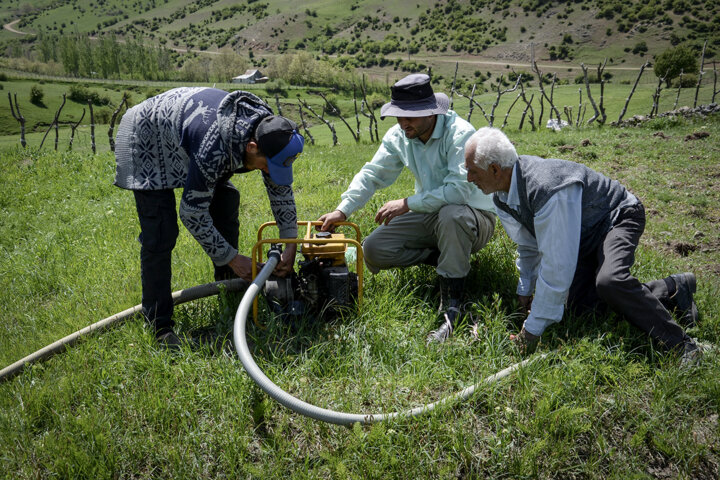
450, 311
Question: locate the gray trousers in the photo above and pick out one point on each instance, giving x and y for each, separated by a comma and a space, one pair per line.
603, 277
456, 231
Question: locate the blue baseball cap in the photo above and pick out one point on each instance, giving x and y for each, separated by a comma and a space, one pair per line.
278, 138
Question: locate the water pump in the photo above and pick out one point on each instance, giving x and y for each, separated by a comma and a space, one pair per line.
323, 284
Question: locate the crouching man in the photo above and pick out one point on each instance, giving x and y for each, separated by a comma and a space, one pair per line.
576, 232
446, 220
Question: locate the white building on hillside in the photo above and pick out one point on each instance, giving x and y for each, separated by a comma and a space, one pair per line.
250, 76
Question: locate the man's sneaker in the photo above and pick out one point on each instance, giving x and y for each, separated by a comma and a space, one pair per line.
448, 319
169, 340
691, 355
685, 286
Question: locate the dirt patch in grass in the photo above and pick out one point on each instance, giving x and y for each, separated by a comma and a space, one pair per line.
682, 248
696, 136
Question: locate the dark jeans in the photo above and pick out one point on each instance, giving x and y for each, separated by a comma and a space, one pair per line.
604, 276
158, 234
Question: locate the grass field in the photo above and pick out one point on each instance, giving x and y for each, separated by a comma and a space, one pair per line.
604, 404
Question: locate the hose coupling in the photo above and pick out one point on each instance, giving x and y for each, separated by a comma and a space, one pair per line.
275, 250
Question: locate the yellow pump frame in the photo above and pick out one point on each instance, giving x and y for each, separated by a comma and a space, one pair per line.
257, 251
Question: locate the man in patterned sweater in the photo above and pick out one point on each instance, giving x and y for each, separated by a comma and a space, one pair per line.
196, 139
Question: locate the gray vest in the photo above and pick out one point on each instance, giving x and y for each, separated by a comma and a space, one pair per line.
537, 179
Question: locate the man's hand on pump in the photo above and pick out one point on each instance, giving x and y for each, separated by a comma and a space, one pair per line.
287, 261
329, 220
242, 265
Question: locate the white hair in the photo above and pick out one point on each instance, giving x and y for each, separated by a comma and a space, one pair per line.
491, 146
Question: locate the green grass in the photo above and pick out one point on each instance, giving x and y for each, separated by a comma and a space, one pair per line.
605, 404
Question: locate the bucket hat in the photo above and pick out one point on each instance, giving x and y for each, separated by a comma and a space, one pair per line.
278, 139
413, 96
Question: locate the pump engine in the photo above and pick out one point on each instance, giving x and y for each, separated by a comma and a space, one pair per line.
323, 285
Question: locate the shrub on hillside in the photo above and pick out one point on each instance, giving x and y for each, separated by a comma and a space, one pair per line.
640, 48
592, 78
688, 80
102, 115
277, 87
332, 106
81, 94
672, 61
376, 100
36, 95
526, 77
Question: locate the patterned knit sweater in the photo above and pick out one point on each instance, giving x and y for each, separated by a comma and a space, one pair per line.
194, 139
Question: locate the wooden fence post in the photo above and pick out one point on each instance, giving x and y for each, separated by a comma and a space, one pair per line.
677, 97
92, 127
112, 122
322, 119
500, 93
700, 74
18, 116
656, 96
542, 89
470, 108
627, 100
356, 136
580, 105
371, 112
74, 127
277, 102
528, 106
54, 124
302, 119
474, 102
452, 88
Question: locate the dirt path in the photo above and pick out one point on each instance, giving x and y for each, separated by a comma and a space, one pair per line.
10, 27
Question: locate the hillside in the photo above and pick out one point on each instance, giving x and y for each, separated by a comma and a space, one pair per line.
383, 36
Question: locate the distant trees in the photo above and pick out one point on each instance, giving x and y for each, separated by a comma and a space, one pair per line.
303, 69
47, 47
107, 57
196, 69
227, 65
670, 63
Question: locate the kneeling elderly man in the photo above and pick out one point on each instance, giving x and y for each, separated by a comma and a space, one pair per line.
447, 219
577, 232
197, 139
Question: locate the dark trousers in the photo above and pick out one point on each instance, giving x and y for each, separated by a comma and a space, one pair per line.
158, 234
604, 276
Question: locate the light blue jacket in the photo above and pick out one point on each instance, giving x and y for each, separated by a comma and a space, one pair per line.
438, 167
